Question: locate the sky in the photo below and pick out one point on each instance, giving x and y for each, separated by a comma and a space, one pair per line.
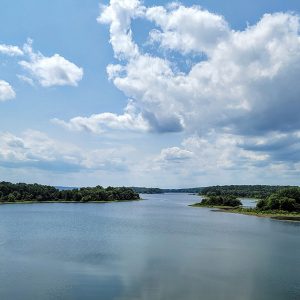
150, 93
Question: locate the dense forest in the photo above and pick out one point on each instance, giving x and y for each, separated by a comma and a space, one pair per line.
251, 191
144, 190
287, 199
220, 200
22, 192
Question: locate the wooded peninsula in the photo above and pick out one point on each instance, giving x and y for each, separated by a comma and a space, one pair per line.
242, 191
283, 203
22, 192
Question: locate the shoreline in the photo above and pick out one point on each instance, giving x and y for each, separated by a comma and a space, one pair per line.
274, 215
66, 202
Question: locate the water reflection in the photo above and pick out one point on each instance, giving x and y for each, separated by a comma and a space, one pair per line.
154, 249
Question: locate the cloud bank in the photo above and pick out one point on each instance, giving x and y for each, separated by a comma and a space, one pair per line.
35, 149
233, 95
243, 82
236, 101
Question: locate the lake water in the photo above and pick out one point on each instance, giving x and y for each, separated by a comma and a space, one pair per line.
154, 249
249, 202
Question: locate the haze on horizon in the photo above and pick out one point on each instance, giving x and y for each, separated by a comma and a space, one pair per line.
150, 93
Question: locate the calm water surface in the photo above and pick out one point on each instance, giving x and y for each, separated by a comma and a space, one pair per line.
249, 202
154, 249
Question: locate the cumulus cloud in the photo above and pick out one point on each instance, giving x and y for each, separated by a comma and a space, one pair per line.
245, 82
6, 91
51, 71
100, 123
119, 15
187, 29
175, 154
228, 152
239, 95
10, 50
247, 75
211, 153
34, 149
223, 158
223, 151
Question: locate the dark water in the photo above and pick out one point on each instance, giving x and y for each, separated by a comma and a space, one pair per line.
154, 249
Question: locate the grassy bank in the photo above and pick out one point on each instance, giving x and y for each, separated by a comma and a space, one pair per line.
211, 206
273, 214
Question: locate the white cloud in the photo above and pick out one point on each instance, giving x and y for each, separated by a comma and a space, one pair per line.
187, 29
240, 87
213, 159
34, 149
247, 73
175, 154
222, 151
118, 15
10, 50
100, 123
205, 154
216, 158
6, 91
51, 71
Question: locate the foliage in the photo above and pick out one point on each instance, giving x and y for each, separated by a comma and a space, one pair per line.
219, 200
287, 199
144, 190
251, 191
22, 192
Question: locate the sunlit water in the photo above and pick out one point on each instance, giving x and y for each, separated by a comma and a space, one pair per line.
154, 249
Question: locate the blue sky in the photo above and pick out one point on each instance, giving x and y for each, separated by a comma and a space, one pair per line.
149, 93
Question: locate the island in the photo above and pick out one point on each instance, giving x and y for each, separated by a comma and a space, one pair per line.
31, 193
284, 204
216, 201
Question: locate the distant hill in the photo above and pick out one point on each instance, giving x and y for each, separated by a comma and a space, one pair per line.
251, 191
144, 190
186, 190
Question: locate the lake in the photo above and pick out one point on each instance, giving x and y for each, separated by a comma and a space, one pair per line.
154, 249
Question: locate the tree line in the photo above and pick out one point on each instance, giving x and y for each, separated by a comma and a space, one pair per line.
284, 199
145, 190
221, 200
242, 191
287, 199
22, 192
